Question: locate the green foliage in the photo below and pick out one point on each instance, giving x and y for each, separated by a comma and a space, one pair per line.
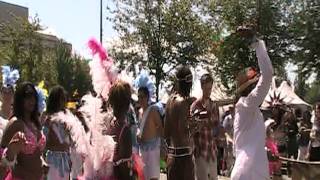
305, 31
72, 71
166, 33
24, 48
269, 19
312, 94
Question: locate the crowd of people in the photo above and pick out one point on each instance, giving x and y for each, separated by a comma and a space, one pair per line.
111, 135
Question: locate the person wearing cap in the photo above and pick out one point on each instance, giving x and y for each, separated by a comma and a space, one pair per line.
249, 130
272, 150
178, 130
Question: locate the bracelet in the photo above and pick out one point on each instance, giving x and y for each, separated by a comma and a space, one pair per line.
5, 161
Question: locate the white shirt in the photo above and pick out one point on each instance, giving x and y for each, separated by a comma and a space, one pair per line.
249, 130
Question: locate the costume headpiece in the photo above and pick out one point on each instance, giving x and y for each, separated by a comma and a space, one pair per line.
103, 72
9, 77
144, 80
42, 94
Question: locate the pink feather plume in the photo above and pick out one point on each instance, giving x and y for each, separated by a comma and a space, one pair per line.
103, 72
97, 48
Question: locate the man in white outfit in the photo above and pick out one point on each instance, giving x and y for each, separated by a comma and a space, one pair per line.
249, 130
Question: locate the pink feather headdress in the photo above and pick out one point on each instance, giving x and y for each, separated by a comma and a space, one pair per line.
103, 72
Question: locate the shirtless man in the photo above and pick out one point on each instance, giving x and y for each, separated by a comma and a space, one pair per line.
150, 135
178, 130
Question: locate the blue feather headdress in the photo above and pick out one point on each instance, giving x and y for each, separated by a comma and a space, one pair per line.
9, 76
143, 80
41, 100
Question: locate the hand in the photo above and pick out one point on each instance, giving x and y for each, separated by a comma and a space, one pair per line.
16, 144
45, 167
248, 33
139, 139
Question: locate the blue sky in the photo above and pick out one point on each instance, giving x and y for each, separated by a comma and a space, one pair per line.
73, 20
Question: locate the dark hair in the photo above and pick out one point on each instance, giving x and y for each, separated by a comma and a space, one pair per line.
248, 90
206, 78
183, 76
145, 91
119, 98
57, 96
23, 91
10, 89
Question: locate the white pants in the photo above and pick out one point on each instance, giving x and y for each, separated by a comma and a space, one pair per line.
302, 153
206, 170
53, 174
151, 159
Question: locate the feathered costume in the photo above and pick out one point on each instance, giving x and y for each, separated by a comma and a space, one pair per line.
104, 75
150, 150
98, 164
9, 80
9, 77
144, 80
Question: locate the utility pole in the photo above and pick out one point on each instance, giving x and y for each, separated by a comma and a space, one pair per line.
101, 21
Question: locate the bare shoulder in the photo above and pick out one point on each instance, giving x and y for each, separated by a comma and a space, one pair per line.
154, 112
14, 125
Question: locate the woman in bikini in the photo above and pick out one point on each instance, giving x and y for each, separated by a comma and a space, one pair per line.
26, 161
119, 99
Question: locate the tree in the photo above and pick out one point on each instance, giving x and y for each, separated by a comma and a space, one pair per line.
82, 80
269, 19
305, 31
22, 49
312, 94
72, 71
162, 34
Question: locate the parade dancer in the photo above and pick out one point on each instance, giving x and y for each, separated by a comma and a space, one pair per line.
178, 129
27, 160
151, 128
107, 114
119, 99
58, 137
9, 79
249, 130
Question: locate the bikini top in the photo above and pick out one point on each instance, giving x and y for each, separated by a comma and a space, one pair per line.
32, 141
